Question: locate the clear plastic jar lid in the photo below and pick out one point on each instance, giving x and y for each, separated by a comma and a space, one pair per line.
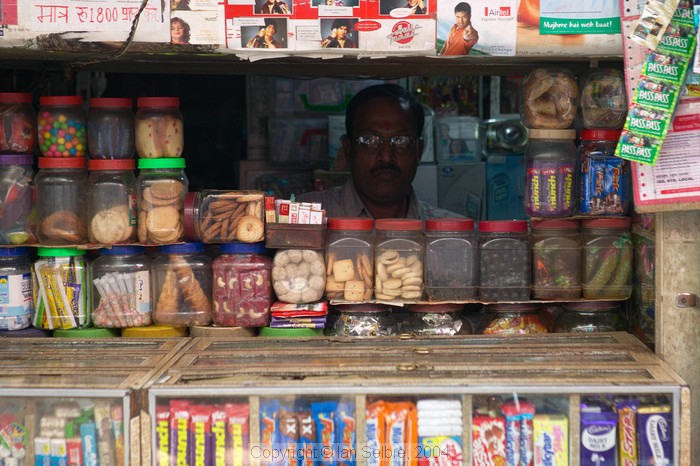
449, 224
111, 164
174, 162
15, 97
158, 102
436, 308
16, 159
13, 252
512, 307
624, 222
61, 100
362, 308
503, 226
183, 248
600, 134
54, 252
552, 134
350, 223
398, 224
111, 102
593, 306
61, 162
557, 224
122, 250
243, 248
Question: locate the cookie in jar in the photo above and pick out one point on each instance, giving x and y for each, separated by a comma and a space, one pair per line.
162, 185
112, 201
398, 265
548, 98
349, 259
221, 216
298, 275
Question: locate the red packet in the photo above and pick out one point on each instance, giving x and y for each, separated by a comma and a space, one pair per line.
488, 441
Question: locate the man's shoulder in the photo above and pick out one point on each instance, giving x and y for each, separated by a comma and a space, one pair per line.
428, 211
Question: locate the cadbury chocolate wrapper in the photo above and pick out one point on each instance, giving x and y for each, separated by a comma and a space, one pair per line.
655, 433
598, 437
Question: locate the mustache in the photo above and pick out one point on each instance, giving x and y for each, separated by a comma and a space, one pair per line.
385, 166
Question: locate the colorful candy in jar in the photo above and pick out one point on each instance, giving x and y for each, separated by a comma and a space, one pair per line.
62, 128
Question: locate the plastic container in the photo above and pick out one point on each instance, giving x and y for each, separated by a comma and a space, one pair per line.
62, 126
161, 186
221, 216
451, 257
182, 285
436, 319
591, 316
603, 99
16, 302
350, 259
61, 194
504, 136
550, 164
111, 203
504, 258
242, 286
398, 264
605, 179
111, 128
18, 121
512, 319
607, 258
556, 259
159, 127
298, 275
363, 320
548, 98
121, 294
16, 174
61, 297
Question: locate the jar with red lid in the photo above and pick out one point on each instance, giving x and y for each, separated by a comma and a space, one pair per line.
159, 127
512, 319
436, 319
605, 178
591, 316
603, 99
61, 193
16, 175
62, 126
18, 121
504, 258
223, 216
451, 256
607, 258
556, 259
111, 128
349, 259
548, 98
242, 293
398, 252
362, 320
111, 203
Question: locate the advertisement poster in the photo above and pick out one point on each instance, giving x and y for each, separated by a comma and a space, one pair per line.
77, 15
476, 27
581, 17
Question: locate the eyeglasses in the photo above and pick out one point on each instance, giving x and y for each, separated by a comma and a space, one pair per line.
399, 144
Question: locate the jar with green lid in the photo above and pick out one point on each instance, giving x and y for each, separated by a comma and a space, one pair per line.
550, 165
159, 127
556, 259
62, 126
16, 223
111, 204
18, 121
61, 286
512, 319
591, 316
451, 257
363, 320
161, 187
436, 319
111, 128
607, 258
349, 259
398, 265
16, 303
504, 260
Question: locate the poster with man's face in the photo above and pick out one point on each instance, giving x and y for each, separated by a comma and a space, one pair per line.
493, 27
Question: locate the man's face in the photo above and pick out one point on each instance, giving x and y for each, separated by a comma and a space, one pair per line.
270, 31
413, 3
461, 19
384, 175
342, 31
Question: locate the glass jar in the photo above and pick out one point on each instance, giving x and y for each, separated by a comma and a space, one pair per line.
111, 128
603, 99
16, 302
242, 286
398, 264
16, 174
121, 294
298, 275
350, 259
363, 320
512, 319
62, 126
61, 192
550, 164
450, 259
607, 258
221, 216
18, 121
504, 258
436, 319
556, 259
181, 285
605, 178
159, 127
548, 98
162, 186
504, 136
61, 297
111, 203
591, 316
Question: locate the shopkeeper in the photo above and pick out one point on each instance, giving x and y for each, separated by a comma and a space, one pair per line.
382, 146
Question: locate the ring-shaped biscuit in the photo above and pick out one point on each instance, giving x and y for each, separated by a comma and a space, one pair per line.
389, 257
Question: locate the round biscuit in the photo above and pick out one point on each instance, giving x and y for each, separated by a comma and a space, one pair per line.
389, 257
400, 272
141, 228
410, 260
250, 229
412, 280
392, 284
108, 226
395, 266
162, 218
166, 189
411, 295
411, 288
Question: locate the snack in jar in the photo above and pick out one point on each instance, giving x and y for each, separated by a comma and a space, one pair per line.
436, 319
451, 256
221, 216
162, 185
512, 319
556, 259
298, 275
111, 203
159, 127
62, 126
548, 98
16, 174
349, 259
363, 320
110, 128
504, 259
242, 286
603, 101
16, 303
607, 258
17, 123
591, 316
398, 263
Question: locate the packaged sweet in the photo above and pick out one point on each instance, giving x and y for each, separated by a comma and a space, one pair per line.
603, 100
548, 98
